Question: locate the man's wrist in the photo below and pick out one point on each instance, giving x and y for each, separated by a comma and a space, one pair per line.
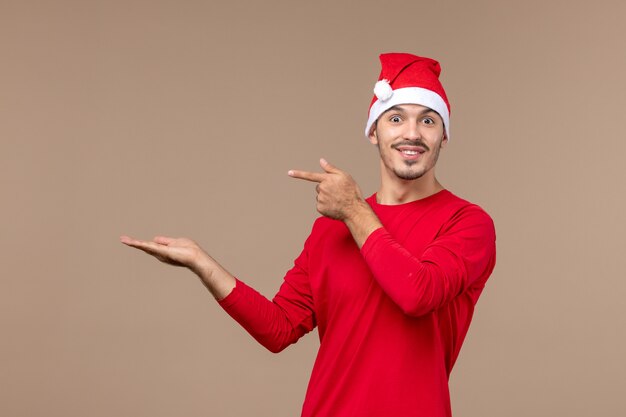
214, 277
203, 266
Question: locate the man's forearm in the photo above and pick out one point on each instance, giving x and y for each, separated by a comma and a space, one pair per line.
362, 221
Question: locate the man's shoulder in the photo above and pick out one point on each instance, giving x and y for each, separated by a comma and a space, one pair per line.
464, 213
450, 211
446, 208
455, 199
453, 203
443, 204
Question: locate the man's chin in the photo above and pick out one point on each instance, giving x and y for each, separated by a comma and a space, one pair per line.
408, 176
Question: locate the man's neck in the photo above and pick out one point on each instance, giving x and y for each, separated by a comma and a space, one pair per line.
403, 191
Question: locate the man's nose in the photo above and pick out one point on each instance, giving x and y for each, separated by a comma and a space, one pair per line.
412, 130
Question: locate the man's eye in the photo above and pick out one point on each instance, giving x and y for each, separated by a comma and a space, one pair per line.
395, 119
428, 120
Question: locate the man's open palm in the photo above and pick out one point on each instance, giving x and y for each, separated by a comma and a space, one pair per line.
173, 251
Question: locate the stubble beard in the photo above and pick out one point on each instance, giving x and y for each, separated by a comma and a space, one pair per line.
409, 175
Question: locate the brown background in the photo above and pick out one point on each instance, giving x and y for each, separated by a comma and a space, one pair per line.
182, 118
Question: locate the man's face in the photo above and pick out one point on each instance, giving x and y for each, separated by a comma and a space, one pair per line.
409, 137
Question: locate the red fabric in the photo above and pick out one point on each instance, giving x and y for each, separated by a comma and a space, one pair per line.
391, 317
406, 70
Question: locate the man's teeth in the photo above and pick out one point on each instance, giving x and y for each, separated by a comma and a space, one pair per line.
407, 152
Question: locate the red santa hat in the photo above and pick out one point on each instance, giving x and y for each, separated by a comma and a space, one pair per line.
408, 79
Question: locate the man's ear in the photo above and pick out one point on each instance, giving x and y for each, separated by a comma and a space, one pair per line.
373, 137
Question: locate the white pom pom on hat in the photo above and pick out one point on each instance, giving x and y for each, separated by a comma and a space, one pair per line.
408, 79
383, 90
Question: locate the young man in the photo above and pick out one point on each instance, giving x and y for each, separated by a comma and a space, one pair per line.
389, 281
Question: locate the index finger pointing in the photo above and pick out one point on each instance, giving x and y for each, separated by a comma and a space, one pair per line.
305, 175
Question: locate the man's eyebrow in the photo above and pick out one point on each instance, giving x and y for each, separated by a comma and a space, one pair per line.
427, 110
397, 107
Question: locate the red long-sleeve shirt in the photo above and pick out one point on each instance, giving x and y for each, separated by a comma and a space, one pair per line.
391, 317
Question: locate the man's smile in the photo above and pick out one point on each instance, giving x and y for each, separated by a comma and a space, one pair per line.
410, 152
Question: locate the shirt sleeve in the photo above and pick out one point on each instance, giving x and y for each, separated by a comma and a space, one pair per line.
461, 255
282, 321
